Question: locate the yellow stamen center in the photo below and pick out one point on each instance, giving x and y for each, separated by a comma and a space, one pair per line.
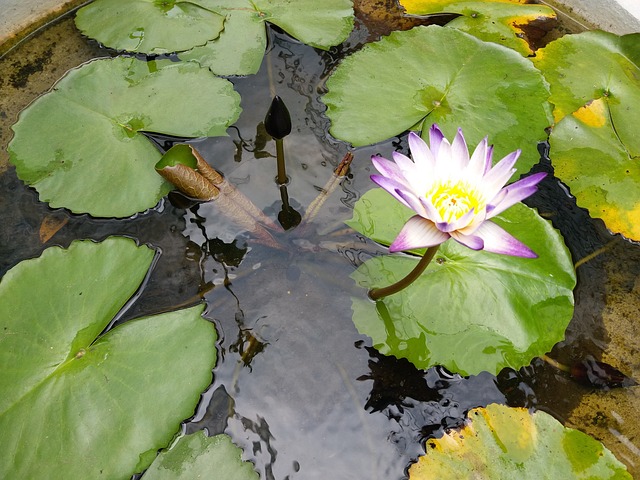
453, 200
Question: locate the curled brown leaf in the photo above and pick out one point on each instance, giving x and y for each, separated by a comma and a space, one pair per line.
190, 182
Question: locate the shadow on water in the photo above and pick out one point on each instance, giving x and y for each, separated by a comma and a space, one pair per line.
296, 386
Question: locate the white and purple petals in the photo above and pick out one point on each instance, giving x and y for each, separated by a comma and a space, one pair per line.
458, 179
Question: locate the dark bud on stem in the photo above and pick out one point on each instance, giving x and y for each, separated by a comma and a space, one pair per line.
277, 123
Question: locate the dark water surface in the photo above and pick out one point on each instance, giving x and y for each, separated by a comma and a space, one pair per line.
296, 386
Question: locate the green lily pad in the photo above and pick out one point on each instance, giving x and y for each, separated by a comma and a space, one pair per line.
199, 456
499, 21
228, 36
471, 311
75, 403
319, 24
504, 442
440, 75
150, 26
81, 145
595, 148
240, 48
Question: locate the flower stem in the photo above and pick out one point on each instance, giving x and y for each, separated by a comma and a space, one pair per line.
282, 172
378, 293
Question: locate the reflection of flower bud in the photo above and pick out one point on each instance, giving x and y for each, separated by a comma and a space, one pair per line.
277, 123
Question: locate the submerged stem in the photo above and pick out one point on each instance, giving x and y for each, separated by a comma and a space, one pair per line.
377, 293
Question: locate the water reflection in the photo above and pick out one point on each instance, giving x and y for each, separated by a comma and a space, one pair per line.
436, 399
288, 217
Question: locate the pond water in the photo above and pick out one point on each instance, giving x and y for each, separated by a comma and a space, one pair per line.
296, 386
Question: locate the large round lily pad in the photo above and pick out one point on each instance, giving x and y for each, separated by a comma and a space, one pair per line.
199, 456
471, 311
78, 404
595, 147
81, 147
504, 442
440, 75
150, 26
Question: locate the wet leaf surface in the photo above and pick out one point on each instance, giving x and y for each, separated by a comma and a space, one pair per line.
83, 403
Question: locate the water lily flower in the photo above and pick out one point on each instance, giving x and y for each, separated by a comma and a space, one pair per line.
453, 195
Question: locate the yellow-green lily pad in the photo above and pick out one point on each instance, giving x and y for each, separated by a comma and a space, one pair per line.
595, 148
499, 21
500, 442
